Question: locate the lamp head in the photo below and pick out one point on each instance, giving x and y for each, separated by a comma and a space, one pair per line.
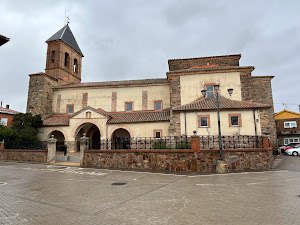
230, 91
216, 86
203, 92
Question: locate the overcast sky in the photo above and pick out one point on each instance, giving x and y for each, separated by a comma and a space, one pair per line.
134, 39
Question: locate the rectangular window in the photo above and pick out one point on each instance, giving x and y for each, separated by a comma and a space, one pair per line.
290, 124
235, 120
203, 121
157, 133
3, 121
88, 115
291, 140
157, 105
70, 109
128, 106
210, 93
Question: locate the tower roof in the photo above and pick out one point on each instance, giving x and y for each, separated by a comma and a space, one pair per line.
65, 34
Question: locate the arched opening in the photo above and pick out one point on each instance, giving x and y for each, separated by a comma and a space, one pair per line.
52, 56
67, 59
60, 143
75, 66
92, 132
120, 139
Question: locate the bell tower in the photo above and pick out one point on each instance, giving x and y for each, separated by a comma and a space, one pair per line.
64, 57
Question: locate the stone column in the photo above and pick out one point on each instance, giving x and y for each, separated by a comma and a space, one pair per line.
51, 149
84, 145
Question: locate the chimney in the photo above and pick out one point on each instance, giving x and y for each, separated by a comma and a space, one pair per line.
7, 106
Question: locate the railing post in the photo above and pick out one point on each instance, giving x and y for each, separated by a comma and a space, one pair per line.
2, 145
84, 143
51, 149
195, 142
266, 143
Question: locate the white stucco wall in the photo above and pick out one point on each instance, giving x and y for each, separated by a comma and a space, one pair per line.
102, 97
191, 85
247, 128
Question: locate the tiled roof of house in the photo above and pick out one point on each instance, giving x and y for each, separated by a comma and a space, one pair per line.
3, 39
115, 117
57, 120
65, 34
8, 111
116, 83
225, 103
139, 116
208, 57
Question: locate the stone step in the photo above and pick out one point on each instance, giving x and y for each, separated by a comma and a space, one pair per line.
74, 158
61, 158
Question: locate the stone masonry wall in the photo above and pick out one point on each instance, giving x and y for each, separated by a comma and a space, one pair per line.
175, 100
180, 64
40, 94
178, 160
24, 155
258, 89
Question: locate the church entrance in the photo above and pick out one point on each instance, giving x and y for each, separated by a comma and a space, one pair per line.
92, 132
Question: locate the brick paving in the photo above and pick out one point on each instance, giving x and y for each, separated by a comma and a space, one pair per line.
52, 194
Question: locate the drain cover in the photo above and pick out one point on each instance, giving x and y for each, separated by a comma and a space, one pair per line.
118, 183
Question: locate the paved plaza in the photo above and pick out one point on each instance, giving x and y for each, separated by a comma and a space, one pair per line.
51, 194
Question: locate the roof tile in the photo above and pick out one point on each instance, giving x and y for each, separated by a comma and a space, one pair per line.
8, 111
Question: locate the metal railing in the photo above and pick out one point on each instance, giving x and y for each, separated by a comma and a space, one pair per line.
27, 145
231, 142
140, 143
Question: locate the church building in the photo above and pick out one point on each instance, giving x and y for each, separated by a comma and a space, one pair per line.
158, 107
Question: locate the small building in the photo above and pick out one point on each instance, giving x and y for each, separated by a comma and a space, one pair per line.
6, 116
288, 127
158, 107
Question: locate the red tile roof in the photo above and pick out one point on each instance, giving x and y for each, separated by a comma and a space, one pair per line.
139, 116
116, 83
225, 103
8, 111
57, 120
115, 117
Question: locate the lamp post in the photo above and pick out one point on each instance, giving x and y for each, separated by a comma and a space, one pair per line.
220, 164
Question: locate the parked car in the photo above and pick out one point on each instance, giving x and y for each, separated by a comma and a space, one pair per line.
293, 151
289, 146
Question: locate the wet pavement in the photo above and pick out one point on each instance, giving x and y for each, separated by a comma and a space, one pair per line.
52, 194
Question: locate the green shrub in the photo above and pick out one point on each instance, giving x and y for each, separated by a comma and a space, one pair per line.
159, 144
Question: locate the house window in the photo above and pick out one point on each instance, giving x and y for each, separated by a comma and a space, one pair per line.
210, 90
3, 121
88, 115
157, 133
75, 66
158, 105
70, 109
235, 120
291, 140
290, 124
203, 121
128, 106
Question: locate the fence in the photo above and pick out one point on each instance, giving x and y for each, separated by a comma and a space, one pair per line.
231, 142
183, 142
27, 145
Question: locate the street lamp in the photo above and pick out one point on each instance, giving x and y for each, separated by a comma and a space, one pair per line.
230, 91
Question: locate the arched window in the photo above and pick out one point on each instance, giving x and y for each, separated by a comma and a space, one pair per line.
52, 56
75, 67
67, 59
88, 114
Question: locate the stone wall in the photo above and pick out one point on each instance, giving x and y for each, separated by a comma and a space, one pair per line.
40, 94
175, 101
180, 64
178, 160
24, 155
258, 89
